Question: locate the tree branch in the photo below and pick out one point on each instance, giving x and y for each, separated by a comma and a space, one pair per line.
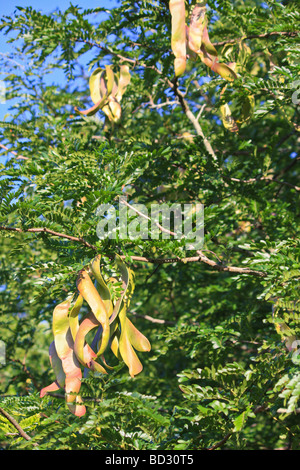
194, 120
19, 157
265, 178
258, 36
15, 424
193, 259
51, 232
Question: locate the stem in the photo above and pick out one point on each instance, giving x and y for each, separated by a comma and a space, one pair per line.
15, 424
193, 259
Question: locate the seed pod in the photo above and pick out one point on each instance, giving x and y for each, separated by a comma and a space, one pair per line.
91, 296
84, 353
136, 338
101, 285
125, 348
124, 78
227, 119
56, 365
73, 316
64, 346
196, 28
178, 40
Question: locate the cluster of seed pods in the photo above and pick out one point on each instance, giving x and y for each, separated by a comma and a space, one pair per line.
70, 352
192, 41
106, 90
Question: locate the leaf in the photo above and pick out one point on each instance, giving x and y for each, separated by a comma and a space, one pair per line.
239, 422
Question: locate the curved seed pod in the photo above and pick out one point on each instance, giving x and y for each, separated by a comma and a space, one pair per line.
196, 28
125, 348
94, 109
110, 79
207, 45
223, 70
56, 365
64, 344
73, 316
89, 292
190, 53
247, 109
227, 119
102, 287
94, 84
73, 373
136, 338
60, 326
123, 81
199, 42
115, 339
83, 352
112, 110
50, 388
178, 40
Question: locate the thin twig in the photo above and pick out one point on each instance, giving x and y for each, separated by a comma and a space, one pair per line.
19, 157
153, 320
51, 232
258, 36
161, 228
15, 424
258, 409
264, 178
186, 109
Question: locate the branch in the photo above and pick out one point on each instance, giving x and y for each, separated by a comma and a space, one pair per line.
51, 232
193, 259
231, 269
15, 424
258, 36
161, 228
194, 120
19, 157
264, 178
258, 409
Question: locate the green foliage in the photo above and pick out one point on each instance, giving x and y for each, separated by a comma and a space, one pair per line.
219, 374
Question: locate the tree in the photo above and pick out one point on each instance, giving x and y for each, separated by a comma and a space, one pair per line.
222, 319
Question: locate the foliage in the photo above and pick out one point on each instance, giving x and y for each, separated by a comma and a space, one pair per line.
223, 322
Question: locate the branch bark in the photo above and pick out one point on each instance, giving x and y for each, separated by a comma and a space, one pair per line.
259, 36
15, 424
193, 259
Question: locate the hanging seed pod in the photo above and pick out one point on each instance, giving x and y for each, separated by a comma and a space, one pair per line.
227, 118
178, 41
64, 362
70, 350
106, 90
196, 28
101, 285
90, 294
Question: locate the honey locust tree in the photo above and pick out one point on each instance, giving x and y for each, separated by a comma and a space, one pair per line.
162, 103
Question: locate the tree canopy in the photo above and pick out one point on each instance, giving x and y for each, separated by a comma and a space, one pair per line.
150, 102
